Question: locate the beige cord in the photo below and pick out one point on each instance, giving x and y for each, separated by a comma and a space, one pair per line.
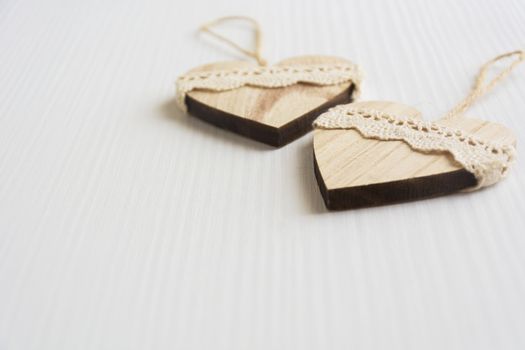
480, 88
256, 53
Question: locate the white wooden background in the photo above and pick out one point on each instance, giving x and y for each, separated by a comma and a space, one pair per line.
125, 224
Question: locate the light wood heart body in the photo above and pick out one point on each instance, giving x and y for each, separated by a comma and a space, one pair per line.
275, 116
353, 171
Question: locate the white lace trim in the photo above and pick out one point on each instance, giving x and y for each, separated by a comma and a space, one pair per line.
268, 77
489, 162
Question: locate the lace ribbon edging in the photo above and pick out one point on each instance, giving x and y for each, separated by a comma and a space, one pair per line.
267, 77
489, 162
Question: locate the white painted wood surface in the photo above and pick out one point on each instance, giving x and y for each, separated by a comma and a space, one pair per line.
125, 224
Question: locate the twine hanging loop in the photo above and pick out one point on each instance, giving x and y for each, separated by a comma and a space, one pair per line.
481, 87
255, 53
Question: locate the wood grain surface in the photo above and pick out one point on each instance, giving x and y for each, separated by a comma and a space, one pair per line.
354, 172
274, 116
126, 224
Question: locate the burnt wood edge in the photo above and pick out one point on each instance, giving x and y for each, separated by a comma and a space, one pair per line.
395, 191
254, 130
302, 125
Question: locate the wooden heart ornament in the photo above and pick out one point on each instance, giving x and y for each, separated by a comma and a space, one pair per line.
271, 104
374, 153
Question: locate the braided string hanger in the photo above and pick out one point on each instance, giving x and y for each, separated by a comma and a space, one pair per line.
480, 87
255, 53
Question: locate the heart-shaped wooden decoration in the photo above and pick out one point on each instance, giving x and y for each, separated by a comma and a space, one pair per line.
272, 115
354, 171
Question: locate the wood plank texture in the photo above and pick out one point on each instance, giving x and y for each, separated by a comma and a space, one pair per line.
126, 224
